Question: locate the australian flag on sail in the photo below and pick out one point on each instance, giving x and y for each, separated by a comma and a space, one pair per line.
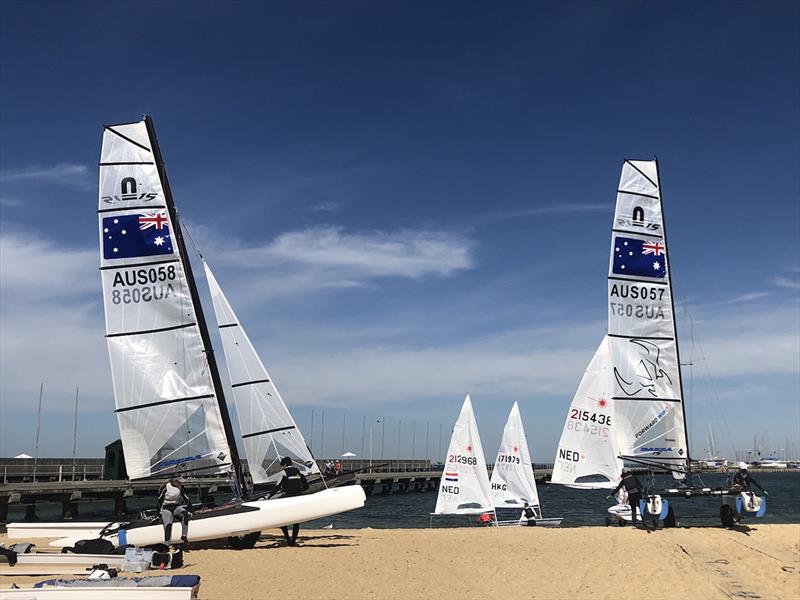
136, 235
639, 258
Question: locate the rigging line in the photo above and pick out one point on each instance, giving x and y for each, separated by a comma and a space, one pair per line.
185, 227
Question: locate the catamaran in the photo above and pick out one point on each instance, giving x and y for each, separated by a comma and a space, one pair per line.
629, 406
170, 402
513, 480
464, 488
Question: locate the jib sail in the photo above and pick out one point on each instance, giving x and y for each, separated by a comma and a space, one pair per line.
268, 429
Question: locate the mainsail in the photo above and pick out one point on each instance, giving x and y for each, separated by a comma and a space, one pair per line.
513, 483
629, 405
171, 413
464, 487
268, 429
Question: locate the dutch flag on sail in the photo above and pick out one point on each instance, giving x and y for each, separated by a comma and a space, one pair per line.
136, 235
451, 477
639, 258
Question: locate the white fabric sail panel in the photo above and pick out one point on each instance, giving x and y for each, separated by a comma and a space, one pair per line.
646, 375
464, 488
587, 454
513, 482
167, 409
268, 429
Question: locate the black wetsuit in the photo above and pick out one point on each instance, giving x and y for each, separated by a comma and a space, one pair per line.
530, 515
634, 489
744, 479
293, 483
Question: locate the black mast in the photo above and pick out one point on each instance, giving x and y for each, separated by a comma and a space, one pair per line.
674, 321
198, 307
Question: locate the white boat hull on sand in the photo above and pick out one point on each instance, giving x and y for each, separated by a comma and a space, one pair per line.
623, 512
255, 516
104, 593
26, 531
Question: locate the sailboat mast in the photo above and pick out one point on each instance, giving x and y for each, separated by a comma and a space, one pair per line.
674, 321
201, 320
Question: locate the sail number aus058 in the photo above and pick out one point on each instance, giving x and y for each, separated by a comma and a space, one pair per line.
151, 284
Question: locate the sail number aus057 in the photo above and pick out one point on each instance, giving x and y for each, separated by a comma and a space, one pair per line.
151, 284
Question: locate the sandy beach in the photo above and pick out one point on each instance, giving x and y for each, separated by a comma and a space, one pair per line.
761, 561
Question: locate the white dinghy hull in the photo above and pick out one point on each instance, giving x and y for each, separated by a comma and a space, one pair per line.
104, 593
248, 518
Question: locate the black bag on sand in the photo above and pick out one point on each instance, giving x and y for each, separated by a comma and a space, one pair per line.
171, 559
95, 546
8, 556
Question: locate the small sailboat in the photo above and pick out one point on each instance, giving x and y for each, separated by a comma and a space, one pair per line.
170, 403
629, 406
464, 488
513, 481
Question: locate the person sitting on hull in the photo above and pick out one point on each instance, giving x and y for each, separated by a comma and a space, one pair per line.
745, 480
293, 483
174, 504
633, 487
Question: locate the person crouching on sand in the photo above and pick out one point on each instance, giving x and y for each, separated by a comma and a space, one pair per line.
293, 483
174, 504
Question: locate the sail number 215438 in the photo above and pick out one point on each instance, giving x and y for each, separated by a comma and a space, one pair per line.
585, 415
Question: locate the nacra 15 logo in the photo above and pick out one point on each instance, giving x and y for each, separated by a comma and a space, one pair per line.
129, 193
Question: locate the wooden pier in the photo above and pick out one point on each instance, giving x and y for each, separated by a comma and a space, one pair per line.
72, 485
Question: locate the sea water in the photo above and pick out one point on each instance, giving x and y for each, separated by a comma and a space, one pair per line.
577, 507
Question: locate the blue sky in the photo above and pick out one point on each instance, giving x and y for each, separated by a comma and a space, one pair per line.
408, 201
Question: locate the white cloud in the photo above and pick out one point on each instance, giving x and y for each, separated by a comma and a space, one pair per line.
65, 174
550, 209
51, 320
8, 202
35, 268
326, 207
786, 282
404, 253
325, 257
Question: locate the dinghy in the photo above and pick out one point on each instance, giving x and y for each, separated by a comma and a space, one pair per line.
170, 403
513, 481
629, 406
464, 488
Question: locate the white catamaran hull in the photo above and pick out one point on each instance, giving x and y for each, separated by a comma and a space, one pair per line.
253, 516
26, 531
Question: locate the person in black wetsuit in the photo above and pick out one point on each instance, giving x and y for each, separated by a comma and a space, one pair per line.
634, 489
293, 483
745, 480
530, 516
